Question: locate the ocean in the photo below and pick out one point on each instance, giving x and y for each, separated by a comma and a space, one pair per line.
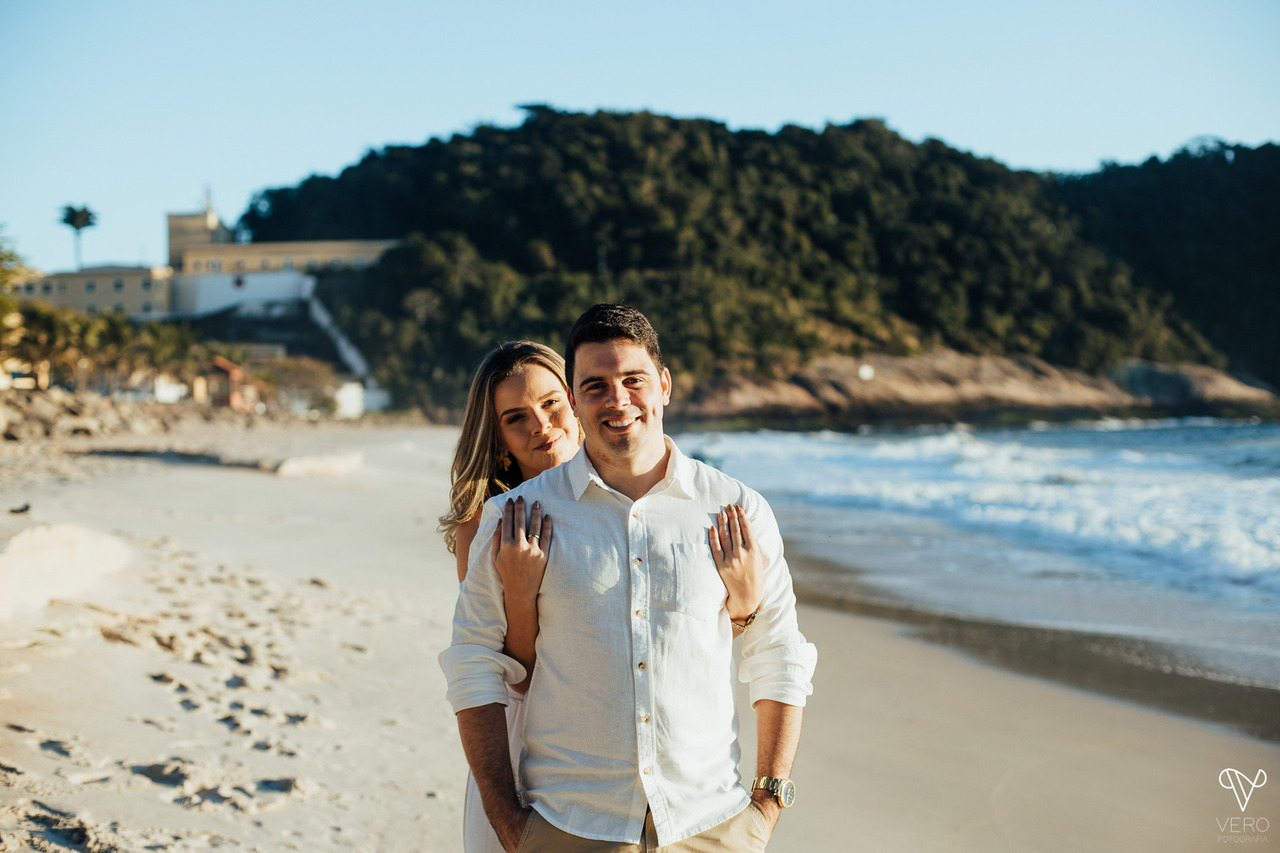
1166, 531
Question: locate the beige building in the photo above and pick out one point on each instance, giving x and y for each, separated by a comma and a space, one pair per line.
202, 250
304, 256
199, 243
98, 290
195, 229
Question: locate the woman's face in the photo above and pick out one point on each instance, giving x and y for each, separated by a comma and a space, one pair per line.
535, 420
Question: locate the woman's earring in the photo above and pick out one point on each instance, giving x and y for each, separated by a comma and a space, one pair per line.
504, 461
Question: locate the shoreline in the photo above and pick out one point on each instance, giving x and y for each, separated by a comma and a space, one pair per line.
1145, 672
1151, 673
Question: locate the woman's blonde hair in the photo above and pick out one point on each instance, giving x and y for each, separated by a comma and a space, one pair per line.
477, 474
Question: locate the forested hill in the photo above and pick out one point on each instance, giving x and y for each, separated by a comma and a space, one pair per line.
1204, 227
752, 252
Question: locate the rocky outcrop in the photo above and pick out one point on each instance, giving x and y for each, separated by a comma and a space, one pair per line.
837, 392
841, 391
55, 413
1191, 385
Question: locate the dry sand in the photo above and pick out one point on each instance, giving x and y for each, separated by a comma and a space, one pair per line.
257, 672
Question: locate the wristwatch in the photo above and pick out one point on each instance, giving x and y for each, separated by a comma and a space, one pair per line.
783, 789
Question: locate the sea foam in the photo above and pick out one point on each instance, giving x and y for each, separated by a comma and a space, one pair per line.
1187, 504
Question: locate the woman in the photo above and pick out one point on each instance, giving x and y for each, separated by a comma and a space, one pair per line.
517, 424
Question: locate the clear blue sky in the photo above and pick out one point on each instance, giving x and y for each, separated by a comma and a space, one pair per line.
133, 107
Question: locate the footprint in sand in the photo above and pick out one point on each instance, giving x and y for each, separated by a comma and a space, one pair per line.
68, 748
203, 789
172, 773
168, 725
60, 748
40, 827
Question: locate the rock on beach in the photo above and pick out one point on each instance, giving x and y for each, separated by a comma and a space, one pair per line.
51, 561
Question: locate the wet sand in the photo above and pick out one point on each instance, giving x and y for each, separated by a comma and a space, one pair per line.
1159, 675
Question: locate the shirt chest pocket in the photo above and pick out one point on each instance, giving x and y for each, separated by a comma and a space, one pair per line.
684, 579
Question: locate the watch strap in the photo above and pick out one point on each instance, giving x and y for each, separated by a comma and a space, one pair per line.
774, 786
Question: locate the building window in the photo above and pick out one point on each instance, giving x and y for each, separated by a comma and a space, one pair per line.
119, 306
195, 266
62, 287
334, 264
287, 265
240, 264
311, 264
146, 284
359, 263
118, 285
146, 307
215, 266
89, 286
46, 288
91, 309
266, 264
31, 288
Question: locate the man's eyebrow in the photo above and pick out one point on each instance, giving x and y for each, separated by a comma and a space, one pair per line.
589, 379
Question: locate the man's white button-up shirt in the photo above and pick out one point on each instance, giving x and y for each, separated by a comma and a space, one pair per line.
631, 706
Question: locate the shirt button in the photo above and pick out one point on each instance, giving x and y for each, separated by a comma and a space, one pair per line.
642, 664
638, 561
639, 612
635, 515
646, 771
644, 718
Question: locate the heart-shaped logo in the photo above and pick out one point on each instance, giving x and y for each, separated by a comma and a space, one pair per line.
1241, 785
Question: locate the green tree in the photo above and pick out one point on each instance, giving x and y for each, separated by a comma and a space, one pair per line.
115, 348
170, 349
11, 267
1199, 228
78, 219
10, 319
46, 341
10, 327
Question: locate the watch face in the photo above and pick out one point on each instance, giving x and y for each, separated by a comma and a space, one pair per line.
786, 793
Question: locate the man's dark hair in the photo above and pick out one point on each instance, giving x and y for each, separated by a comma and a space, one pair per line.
602, 323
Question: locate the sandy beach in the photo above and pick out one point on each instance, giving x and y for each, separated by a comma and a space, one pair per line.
202, 648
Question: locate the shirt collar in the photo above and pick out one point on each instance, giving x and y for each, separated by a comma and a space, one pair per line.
678, 481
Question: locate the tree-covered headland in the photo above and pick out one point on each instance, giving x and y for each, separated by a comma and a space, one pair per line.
752, 252
1202, 227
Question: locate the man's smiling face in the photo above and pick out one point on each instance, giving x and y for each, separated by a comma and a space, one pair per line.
618, 396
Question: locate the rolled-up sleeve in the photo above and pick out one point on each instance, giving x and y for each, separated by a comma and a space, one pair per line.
777, 661
474, 665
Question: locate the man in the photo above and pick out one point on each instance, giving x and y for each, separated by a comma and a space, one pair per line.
630, 738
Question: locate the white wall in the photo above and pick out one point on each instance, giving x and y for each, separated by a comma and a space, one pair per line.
209, 292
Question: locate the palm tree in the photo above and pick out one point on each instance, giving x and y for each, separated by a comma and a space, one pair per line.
78, 218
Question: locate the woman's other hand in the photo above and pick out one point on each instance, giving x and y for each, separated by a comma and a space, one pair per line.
520, 551
739, 562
